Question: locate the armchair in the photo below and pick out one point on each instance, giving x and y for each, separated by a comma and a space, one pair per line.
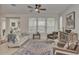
53, 35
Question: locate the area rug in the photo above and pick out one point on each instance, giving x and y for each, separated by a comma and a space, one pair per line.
35, 48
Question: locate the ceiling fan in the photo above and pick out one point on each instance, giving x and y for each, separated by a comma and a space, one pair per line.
14, 5
37, 8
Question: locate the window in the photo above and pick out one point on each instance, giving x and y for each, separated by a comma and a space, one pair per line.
32, 25
42, 25
61, 26
50, 25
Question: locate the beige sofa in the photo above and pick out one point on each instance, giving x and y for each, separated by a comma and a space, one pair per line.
68, 43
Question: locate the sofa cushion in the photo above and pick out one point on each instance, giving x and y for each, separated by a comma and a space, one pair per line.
72, 46
60, 44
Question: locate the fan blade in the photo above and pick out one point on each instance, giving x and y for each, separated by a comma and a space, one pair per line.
29, 6
39, 5
42, 9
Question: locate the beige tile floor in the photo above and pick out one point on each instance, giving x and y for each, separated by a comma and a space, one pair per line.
4, 50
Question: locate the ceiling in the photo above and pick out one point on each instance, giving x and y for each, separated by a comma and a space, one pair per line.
22, 8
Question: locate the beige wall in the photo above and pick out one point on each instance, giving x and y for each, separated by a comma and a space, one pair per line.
0, 27
24, 19
76, 9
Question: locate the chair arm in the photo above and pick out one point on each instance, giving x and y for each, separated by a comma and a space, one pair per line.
66, 50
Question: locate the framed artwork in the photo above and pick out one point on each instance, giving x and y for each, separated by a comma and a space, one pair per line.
13, 24
70, 20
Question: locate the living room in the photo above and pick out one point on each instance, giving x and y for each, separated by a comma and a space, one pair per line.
40, 25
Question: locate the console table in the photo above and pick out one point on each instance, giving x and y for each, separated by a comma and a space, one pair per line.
36, 36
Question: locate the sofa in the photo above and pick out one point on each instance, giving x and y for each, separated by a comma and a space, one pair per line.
69, 44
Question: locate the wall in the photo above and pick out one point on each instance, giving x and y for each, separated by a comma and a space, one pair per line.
69, 10
0, 20
23, 22
0, 28
24, 19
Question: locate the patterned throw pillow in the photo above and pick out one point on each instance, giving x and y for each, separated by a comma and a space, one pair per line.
72, 46
66, 45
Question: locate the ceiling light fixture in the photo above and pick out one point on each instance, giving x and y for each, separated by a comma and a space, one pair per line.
36, 9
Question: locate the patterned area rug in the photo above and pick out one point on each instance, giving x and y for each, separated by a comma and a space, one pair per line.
35, 48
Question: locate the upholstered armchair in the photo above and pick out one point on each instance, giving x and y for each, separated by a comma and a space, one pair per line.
53, 35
